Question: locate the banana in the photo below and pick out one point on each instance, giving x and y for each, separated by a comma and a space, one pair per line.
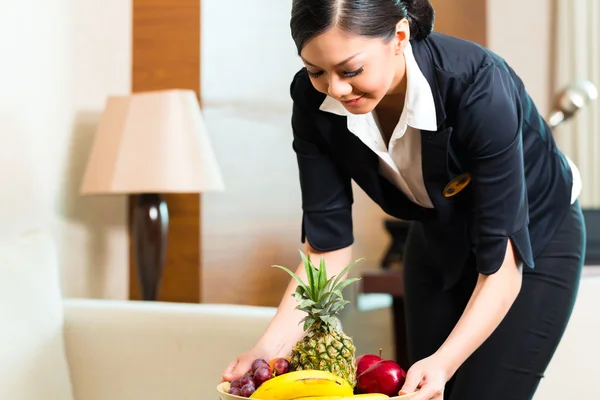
366, 396
306, 383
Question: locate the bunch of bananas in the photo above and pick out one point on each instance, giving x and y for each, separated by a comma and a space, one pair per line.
309, 385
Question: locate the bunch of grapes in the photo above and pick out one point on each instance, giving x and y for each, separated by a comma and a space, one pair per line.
259, 373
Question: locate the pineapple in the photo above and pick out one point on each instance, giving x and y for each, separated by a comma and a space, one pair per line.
324, 346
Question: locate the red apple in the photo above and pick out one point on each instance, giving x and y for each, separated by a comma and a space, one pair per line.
364, 361
385, 377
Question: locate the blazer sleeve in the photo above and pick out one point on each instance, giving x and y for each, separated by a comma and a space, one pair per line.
489, 122
326, 189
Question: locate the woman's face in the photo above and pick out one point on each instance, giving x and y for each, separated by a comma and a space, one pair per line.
355, 70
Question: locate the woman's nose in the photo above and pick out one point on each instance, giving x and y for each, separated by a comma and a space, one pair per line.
338, 88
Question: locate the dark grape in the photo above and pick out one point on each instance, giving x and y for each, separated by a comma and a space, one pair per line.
236, 391
262, 375
281, 366
259, 362
247, 390
236, 384
246, 379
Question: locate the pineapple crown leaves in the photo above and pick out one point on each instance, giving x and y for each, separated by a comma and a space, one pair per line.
321, 297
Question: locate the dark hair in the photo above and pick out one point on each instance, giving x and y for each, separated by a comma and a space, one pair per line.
371, 18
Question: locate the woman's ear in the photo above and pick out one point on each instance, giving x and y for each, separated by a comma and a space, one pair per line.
402, 35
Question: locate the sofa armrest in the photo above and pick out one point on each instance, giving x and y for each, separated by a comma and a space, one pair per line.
123, 350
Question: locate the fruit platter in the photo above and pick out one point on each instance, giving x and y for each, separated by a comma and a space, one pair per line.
323, 365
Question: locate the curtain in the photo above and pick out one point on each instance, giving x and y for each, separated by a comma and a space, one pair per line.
576, 54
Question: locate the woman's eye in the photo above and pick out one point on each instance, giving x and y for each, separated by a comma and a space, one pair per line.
346, 74
353, 73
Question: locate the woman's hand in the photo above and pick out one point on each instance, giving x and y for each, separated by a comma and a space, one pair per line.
238, 367
429, 376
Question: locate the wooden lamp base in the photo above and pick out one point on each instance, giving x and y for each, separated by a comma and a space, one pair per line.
150, 226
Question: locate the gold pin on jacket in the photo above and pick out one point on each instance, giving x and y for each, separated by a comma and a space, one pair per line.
457, 184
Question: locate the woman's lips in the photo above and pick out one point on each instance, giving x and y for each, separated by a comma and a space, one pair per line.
353, 102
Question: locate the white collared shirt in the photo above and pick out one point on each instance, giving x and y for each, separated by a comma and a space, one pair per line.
401, 162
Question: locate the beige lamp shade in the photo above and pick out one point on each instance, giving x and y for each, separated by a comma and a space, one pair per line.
152, 142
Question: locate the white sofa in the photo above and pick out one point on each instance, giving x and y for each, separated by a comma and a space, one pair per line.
123, 350
77, 349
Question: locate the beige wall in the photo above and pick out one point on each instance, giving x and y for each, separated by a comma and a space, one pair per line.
60, 59
256, 222
520, 31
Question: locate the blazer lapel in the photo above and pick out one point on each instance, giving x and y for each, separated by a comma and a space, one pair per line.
434, 151
435, 145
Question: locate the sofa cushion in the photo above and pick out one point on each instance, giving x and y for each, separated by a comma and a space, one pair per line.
33, 364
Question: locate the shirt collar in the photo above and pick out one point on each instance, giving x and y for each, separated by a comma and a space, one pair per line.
419, 105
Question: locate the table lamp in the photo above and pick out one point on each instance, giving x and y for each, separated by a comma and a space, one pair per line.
149, 143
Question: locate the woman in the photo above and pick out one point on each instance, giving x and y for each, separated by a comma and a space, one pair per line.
442, 132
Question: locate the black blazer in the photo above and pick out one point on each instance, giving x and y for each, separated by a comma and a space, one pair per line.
488, 127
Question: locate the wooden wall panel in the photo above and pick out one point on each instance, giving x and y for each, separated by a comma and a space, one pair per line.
466, 19
165, 55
